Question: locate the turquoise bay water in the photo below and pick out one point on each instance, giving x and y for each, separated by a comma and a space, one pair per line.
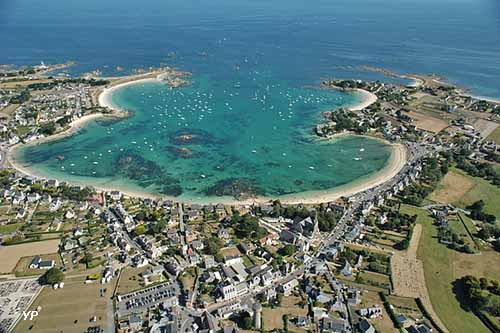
212, 139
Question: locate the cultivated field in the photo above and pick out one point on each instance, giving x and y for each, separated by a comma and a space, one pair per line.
485, 127
482, 190
482, 264
428, 123
10, 255
462, 190
453, 187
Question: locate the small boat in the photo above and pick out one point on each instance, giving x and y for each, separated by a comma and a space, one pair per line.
254, 151
357, 158
362, 149
311, 167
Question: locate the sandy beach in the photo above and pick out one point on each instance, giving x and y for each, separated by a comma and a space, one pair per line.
368, 98
104, 97
394, 165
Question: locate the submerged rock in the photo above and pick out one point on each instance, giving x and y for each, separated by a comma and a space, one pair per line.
191, 137
239, 188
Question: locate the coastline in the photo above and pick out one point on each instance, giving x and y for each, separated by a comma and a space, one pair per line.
103, 97
368, 98
395, 163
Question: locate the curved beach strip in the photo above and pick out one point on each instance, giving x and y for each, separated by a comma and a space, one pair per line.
367, 99
395, 163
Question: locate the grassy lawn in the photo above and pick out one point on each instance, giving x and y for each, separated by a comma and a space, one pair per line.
131, 280
9, 228
22, 267
69, 309
273, 317
457, 226
383, 324
495, 136
482, 190
375, 279
439, 262
188, 278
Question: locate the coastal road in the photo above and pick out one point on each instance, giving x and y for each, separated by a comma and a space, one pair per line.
3, 155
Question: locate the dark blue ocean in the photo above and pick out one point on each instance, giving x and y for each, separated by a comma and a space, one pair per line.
298, 41
254, 64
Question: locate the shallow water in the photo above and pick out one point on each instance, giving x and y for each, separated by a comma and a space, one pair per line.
214, 139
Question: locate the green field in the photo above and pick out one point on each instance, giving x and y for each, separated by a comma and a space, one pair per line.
495, 136
9, 228
482, 190
438, 263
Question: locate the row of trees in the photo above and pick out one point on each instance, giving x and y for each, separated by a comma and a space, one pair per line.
453, 240
327, 219
52, 84
482, 294
477, 212
247, 227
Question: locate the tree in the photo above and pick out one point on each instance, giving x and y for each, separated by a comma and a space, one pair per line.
285, 322
158, 227
140, 230
478, 205
496, 245
87, 258
52, 276
214, 244
246, 320
402, 245
279, 298
48, 128
247, 226
288, 250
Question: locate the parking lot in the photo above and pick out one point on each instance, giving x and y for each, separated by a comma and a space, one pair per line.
139, 301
